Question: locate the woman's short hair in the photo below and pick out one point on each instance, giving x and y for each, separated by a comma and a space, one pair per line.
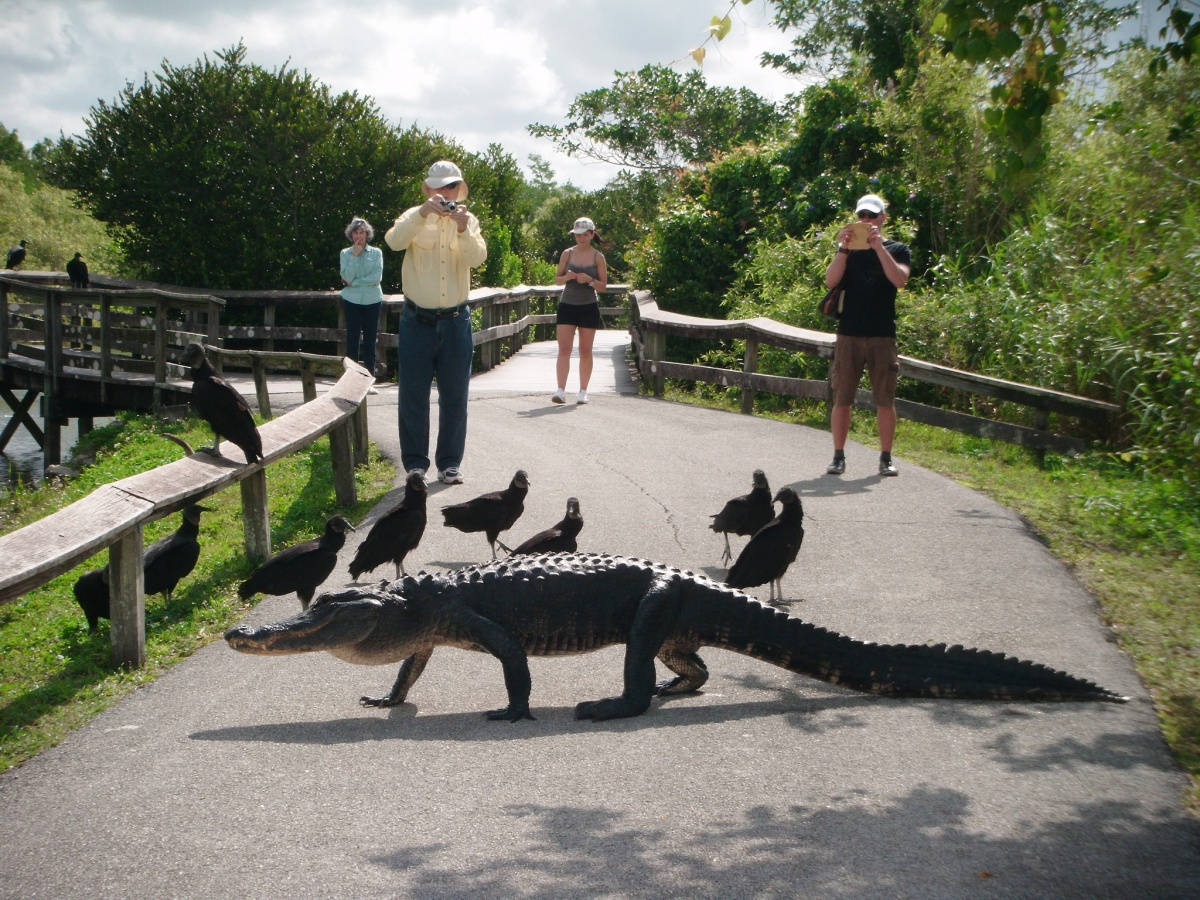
356, 223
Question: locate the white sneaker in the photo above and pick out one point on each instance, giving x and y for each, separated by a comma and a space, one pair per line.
582, 398
451, 475
558, 397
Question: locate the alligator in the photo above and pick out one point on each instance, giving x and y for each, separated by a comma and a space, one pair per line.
566, 603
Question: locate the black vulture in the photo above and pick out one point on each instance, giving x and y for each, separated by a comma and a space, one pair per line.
164, 564
491, 513
300, 568
745, 514
91, 593
218, 402
77, 271
558, 538
168, 560
772, 548
397, 531
16, 255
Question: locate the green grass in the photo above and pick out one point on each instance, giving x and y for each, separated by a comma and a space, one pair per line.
1131, 537
54, 675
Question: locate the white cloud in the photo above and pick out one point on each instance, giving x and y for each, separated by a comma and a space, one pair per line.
478, 72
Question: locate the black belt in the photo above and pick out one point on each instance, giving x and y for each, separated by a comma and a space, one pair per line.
429, 316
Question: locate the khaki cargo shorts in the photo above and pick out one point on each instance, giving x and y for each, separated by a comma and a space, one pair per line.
875, 354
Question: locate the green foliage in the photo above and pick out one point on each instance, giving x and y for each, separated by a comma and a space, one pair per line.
661, 120
54, 226
223, 174
54, 675
885, 35
1029, 48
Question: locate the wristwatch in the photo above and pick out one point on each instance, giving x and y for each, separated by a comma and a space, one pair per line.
845, 250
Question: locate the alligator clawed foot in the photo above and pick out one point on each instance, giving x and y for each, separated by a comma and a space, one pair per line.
612, 708
511, 714
379, 702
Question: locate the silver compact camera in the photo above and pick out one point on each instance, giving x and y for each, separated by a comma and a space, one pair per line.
449, 205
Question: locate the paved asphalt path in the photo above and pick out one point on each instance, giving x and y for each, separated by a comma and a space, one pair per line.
245, 776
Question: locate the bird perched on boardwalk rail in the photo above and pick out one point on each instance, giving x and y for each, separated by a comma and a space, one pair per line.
558, 538
300, 568
16, 255
491, 513
746, 514
218, 402
772, 548
397, 531
77, 271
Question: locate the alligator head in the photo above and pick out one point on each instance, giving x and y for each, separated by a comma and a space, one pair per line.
336, 622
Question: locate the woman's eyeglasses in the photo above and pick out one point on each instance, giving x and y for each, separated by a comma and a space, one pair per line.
864, 214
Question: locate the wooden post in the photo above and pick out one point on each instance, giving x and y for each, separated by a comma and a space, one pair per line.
361, 442
308, 380
656, 349
256, 527
749, 366
3, 321
269, 323
53, 421
160, 352
340, 348
127, 600
343, 464
259, 367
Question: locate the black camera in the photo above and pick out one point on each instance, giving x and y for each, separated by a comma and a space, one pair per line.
449, 205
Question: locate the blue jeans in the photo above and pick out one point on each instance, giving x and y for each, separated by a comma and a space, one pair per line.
362, 329
426, 350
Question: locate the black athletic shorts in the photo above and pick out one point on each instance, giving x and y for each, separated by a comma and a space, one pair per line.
585, 316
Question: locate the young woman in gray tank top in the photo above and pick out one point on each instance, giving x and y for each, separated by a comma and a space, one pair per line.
583, 273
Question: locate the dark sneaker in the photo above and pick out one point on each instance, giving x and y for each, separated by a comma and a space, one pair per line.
887, 468
416, 470
837, 467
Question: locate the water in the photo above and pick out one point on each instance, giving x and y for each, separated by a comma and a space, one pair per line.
22, 461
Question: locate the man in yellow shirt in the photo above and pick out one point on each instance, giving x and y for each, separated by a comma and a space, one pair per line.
442, 243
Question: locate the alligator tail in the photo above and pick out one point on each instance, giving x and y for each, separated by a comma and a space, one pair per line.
901, 670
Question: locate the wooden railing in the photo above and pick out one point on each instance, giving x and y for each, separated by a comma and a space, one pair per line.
115, 514
92, 352
651, 326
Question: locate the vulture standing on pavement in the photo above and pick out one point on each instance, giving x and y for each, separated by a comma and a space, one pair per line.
300, 568
558, 538
397, 531
218, 402
491, 513
772, 548
746, 514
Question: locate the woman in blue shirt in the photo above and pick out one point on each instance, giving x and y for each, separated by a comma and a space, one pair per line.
362, 298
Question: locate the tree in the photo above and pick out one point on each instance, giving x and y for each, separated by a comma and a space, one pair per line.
222, 174
660, 120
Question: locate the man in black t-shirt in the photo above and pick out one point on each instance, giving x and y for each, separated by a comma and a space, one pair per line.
866, 333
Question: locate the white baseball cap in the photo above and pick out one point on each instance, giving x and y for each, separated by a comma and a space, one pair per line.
442, 173
583, 225
871, 203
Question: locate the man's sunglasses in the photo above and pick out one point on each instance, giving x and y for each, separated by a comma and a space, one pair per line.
864, 214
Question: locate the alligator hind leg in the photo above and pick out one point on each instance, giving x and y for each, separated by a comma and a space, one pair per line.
655, 618
690, 669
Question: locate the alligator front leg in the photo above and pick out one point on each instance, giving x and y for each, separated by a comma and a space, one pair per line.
410, 671
655, 618
504, 645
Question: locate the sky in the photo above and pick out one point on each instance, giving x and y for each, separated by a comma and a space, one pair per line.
477, 71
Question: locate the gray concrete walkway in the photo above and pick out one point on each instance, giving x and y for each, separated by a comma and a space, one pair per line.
236, 776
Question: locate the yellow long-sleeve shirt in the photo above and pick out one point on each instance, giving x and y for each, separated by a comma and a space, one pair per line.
436, 273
